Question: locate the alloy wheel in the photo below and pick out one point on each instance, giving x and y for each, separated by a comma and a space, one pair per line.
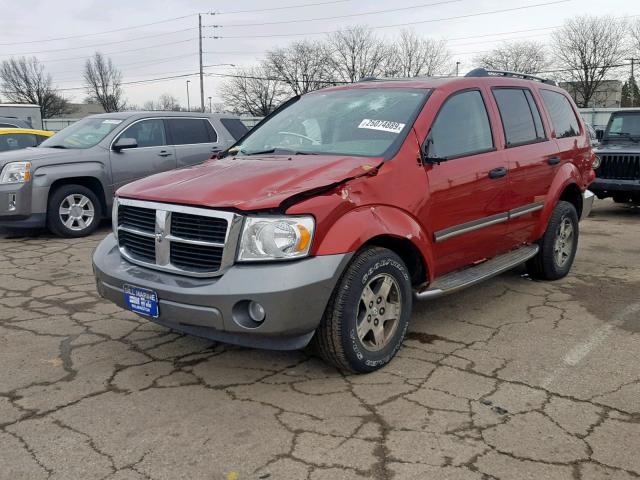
76, 212
378, 312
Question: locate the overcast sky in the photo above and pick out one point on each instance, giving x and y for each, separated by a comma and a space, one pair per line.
170, 48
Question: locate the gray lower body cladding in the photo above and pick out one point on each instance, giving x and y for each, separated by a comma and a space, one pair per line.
294, 296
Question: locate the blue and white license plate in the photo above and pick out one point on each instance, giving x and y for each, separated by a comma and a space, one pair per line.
141, 300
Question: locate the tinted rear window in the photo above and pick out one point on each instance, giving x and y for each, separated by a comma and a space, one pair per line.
562, 115
188, 131
16, 141
520, 116
235, 127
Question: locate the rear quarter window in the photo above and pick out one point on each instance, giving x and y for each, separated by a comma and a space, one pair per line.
563, 118
235, 127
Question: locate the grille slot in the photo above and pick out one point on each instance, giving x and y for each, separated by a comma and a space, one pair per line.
136, 217
140, 247
195, 227
619, 167
195, 258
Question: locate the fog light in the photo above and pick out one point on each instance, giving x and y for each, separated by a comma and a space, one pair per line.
256, 312
12, 202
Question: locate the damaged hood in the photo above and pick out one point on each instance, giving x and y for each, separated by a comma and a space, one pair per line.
248, 183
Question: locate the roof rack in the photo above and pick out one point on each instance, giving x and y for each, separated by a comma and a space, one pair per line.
483, 72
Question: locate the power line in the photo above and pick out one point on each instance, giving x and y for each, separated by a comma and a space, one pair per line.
375, 12
280, 8
133, 27
121, 51
435, 20
101, 44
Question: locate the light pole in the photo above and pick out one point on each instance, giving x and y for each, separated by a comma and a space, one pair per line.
457, 68
188, 101
210, 109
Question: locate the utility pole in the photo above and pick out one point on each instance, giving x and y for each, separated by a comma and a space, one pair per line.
200, 55
210, 109
188, 101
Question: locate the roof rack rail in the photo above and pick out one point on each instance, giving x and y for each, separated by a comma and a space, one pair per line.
483, 72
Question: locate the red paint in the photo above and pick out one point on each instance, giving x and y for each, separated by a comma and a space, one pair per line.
367, 198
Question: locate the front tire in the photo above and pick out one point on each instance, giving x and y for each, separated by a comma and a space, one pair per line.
558, 245
368, 313
73, 211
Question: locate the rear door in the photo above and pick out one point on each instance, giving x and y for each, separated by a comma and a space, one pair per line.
152, 155
533, 159
467, 190
195, 140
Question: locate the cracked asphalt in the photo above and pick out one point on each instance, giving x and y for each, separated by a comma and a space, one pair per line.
512, 379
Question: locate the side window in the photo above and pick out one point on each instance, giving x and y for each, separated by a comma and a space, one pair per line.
562, 115
235, 127
462, 127
7, 125
148, 133
520, 116
40, 138
188, 131
16, 141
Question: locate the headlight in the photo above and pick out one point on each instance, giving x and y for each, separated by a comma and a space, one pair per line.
596, 162
16, 172
275, 238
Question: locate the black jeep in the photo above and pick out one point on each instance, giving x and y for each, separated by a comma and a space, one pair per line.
618, 172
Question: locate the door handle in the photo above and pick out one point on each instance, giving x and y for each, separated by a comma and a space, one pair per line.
498, 172
215, 150
553, 160
164, 153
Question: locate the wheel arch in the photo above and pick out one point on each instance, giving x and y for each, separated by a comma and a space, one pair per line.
382, 226
92, 183
566, 187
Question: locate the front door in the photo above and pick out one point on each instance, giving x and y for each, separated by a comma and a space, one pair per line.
466, 207
152, 155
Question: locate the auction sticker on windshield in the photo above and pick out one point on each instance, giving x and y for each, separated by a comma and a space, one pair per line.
141, 300
383, 125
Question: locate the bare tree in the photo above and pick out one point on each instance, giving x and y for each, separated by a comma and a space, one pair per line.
104, 83
356, 52
253, 90
414, 56
149, 106
302, 66
520, 56
589, 48
635, 37
23, 80
168, 102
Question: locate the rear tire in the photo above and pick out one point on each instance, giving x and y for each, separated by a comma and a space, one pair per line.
73, 211
368, 313
558, 245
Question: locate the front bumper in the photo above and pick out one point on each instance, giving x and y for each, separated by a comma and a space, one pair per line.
293, 294
16, 206
587, 203
607, 187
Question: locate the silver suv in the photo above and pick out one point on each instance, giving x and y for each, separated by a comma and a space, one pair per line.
67, 183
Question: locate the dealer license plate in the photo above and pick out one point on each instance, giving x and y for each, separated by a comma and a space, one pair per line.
141, 300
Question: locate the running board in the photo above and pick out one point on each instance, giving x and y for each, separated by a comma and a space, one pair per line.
454, 281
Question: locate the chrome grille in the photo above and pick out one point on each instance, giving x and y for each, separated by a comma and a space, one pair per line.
185, 240
619, 167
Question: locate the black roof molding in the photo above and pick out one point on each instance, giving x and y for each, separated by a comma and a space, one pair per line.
483, 72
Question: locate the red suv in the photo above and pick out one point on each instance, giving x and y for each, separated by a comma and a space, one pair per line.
328, 219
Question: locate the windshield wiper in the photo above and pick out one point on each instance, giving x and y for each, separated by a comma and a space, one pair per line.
57, 146
285, 151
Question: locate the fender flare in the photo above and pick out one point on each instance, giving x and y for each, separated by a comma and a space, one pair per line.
357, 227
568, 174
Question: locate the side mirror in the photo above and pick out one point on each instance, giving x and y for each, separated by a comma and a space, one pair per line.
427, 156
599, 134
124, 142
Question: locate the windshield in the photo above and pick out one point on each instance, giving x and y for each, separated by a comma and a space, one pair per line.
361, 122
624, 126
83, 134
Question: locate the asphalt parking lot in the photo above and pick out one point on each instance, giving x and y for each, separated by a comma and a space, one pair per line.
513, 379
